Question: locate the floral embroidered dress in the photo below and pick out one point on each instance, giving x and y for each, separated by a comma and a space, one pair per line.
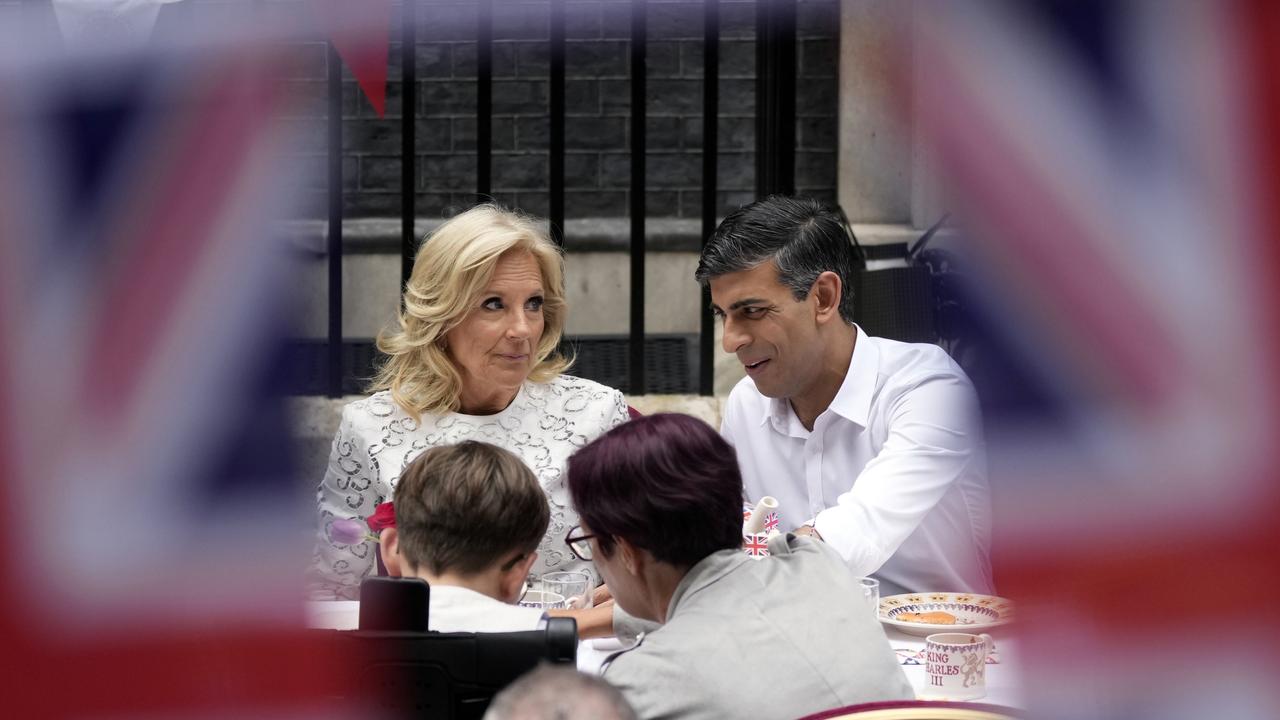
377, 439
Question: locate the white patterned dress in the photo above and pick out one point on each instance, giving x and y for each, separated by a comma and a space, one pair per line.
376, 440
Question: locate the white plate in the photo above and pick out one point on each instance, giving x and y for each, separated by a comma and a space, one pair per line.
974, 613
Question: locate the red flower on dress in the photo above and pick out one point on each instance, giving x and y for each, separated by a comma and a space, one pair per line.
384, 516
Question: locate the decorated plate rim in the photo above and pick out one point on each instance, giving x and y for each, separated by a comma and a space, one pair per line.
1002, 607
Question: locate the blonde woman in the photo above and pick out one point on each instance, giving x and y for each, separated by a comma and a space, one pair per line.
474, 358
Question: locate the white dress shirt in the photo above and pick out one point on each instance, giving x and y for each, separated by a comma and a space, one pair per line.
893, 475
451, 609
459, 609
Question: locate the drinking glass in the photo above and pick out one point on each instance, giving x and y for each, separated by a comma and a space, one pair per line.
575, 586
542, 600
871, 594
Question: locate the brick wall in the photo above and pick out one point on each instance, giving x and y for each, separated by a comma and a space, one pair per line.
597, 100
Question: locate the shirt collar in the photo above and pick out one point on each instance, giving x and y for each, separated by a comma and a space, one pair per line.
776, 411
852, 401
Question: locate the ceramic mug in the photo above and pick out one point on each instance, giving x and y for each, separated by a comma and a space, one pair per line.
955, 665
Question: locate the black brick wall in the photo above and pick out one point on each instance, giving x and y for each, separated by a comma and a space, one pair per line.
597, 103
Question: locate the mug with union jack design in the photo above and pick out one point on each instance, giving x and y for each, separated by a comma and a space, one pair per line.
756, 544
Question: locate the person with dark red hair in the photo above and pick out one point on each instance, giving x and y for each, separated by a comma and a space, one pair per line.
660, 499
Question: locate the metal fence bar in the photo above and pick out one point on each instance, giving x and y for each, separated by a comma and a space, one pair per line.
334, 346
408, 138
639, 39
775, 97
484, 99
710, 155
775, 150
556, 208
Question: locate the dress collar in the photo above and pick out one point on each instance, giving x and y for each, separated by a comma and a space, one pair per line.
521, 395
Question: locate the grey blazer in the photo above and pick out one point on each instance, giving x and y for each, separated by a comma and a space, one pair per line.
779, 637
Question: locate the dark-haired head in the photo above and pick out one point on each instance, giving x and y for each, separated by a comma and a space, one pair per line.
666, 483
802, 236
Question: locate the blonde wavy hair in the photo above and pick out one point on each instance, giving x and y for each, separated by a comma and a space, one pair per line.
452, 268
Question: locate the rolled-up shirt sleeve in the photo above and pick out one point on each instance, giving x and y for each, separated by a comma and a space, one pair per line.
934, 440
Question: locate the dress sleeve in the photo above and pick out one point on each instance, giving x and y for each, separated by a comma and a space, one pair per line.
350, 489
934, 441
618, 414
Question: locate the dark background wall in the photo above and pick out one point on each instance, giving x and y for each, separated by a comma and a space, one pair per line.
597, 93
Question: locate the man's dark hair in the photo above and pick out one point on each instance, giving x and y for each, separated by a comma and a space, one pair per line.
665, 483
465, 507
804, 237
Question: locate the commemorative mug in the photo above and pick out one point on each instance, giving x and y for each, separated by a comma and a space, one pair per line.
955, 665
756, 544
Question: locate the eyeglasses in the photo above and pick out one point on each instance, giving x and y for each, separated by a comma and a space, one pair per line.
579, 545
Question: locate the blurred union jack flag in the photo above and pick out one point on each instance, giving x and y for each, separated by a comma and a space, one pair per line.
154, 534
1115, 166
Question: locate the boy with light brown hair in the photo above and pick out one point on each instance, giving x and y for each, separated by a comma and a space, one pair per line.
469, 518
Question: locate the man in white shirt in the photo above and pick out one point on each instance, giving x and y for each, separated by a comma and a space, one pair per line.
871, 445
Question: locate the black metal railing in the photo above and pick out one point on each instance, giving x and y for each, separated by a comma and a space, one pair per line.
639, 80
775, 138
408, 139
775, 98
710, 142
556, 99
334, 348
